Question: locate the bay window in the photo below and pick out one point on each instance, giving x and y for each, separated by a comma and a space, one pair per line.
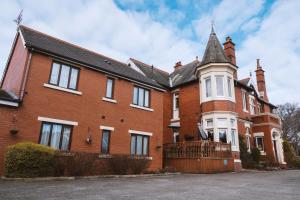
64, 76
141, 97
57, 136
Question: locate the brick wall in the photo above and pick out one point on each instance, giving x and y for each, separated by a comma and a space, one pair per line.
89, 110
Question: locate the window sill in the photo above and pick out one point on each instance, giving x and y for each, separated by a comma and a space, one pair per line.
62, 89
175, 119
140, 107
109, 100
246, 111
263, 153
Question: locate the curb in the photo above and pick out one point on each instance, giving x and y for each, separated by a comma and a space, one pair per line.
86, 177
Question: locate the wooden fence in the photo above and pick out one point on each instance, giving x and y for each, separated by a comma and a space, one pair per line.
198, 157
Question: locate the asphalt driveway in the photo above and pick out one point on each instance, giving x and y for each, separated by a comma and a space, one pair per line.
245, 185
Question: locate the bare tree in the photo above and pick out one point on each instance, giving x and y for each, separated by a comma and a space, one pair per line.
290, 117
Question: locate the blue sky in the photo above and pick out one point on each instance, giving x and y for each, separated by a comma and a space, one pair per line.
165, 32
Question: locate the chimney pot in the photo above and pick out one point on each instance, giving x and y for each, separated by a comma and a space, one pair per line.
177, 65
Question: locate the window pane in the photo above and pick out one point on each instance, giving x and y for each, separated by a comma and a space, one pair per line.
135, 95
146, 98
133, 145
233, 137
222, 122
54, 73
66, 138
55, 137
139, 144
145, 146
45, 134
229, 87
73, 78
260, 143
209, 122
222, 135
244, 101
109, 88
141, 97
105, 141
219, 81
248, 143
64, 76
232, 122
210, 134
208, 87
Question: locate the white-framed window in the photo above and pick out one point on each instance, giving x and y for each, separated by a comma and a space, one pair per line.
222, 129
175, 106
209, 123
220, 86
259, 141
222, 135
259, 108
110, 88
208, 87
176, 136
141, 97
252, 105
248, 143
233, 137
244, 98
229, 86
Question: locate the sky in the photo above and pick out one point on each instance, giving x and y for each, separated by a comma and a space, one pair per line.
163, 32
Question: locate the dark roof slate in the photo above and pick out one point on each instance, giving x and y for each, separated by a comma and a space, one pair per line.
214, 52
49, 44
153, 73
184, 74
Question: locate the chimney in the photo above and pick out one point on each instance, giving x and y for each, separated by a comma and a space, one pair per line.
177, 66
261, 84
229, 50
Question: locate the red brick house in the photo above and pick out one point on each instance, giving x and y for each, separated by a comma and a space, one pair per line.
67, 97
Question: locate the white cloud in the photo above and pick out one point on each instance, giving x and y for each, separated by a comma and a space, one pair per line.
276, 43
103, 27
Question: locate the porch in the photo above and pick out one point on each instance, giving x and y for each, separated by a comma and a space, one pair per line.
198, 157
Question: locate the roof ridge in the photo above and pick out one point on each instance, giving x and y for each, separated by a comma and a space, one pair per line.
133, 59
74, 45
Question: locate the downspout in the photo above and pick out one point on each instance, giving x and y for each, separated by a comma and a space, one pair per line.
25, 76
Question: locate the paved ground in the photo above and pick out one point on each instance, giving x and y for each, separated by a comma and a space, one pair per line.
246, 185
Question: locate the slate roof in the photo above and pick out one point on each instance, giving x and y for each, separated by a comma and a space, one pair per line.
214, 52
184, 74
49, 44
153, 73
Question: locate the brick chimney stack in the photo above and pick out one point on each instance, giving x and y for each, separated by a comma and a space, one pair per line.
230, 50
177, 66
261, 83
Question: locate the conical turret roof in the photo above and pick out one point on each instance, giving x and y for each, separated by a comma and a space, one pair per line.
214, 52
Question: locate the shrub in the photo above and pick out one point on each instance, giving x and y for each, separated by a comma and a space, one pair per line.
74, 163
124, 164
255, 154
28, 159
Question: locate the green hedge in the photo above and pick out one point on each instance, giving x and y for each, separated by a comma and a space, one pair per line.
28, 159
